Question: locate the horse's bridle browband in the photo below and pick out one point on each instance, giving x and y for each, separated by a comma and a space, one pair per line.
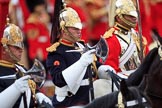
128, 103
134, 102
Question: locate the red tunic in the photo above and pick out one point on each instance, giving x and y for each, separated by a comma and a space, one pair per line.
114, 52
21, 11
146, 19
114, 49
99, 23
156, 14
39, 41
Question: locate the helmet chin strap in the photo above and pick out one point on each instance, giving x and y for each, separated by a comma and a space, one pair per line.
71, 35
127, 22
11, 54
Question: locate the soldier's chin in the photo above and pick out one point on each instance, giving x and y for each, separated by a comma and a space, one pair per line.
17, 59
77, 38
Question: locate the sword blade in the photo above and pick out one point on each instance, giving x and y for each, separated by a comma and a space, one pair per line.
8, 77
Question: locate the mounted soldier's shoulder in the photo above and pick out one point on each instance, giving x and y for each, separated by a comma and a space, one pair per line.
53, 47
109, 33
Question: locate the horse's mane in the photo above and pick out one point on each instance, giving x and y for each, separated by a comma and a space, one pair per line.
154, 80
148, 60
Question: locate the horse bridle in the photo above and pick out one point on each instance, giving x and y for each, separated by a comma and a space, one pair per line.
128, 103
115, 79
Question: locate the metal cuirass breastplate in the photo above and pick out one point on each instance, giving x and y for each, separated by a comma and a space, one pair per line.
133, 61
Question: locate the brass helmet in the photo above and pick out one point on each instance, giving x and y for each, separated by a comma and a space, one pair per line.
70, 18
12, 36
121, 7
126, 7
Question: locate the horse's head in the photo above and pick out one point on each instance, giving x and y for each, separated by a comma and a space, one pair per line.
154, 79
126, 97
131, 97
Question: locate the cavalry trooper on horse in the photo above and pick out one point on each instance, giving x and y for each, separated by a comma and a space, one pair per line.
123, 40
18, 88
69, 60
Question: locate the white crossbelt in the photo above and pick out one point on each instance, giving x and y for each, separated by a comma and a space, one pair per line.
125, 57
28, 96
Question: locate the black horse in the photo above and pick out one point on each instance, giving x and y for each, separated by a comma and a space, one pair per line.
148, 78
149, 75
127, 97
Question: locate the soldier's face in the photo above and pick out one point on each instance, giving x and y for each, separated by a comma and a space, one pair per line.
130, 18
16, 51
73, 34
127, 21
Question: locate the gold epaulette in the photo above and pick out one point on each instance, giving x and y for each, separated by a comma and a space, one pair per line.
53, 47
109, 33
6, 64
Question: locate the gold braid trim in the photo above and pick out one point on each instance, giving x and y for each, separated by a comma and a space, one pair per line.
32, 86
7, 64
120, 100
94, 68
144, 42
137, 41
121, 27
109, 33
53, 47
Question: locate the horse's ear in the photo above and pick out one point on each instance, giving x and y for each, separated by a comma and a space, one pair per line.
157, 35
123, 88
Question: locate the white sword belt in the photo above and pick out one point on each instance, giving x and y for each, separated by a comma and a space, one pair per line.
64, 91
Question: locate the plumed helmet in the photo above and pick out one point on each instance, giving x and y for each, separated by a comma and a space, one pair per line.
63, 17
70, 18
126, 7
120, 7
12, 35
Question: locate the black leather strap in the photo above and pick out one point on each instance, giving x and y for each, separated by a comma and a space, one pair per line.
115, 79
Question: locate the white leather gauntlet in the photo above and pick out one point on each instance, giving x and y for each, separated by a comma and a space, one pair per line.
103, 73
9, 96
22, 83
41, 97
